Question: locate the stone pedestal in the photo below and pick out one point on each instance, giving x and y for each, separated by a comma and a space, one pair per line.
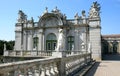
5, 53
59, 54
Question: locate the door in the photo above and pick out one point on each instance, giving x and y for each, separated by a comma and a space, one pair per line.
51, 42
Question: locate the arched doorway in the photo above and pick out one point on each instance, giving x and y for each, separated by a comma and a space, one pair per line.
51, 41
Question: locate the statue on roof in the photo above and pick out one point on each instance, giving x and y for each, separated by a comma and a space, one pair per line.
76, 16
95, 10
21, 16
32, 20
83, 14
46, 10
56, 10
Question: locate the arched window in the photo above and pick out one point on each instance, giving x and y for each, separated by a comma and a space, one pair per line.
51, 41
35, 42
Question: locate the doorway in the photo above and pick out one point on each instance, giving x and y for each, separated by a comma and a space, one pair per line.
51, 41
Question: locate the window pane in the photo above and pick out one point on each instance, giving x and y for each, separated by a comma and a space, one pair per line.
70, 43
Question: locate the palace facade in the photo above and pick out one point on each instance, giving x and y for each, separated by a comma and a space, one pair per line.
55, 32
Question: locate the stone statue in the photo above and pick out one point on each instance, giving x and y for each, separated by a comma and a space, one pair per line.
83, 14
4, 47
76, 16
21, 16
94, 10
46, 10
61, 41
56, 10
96, 6
32, 20
64, 16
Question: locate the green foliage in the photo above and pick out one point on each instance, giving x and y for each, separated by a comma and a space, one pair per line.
9, 45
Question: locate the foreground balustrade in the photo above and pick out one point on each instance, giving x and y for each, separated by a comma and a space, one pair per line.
52, 66
37, 67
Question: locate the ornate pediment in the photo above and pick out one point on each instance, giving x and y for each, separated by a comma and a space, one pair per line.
50, 20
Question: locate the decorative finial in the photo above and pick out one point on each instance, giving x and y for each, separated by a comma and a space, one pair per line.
21, 16
94, 10
64, 16
83, 14
56, 10
32, 20
76, 16
46, 10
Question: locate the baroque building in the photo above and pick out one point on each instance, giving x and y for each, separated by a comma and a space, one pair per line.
55, 32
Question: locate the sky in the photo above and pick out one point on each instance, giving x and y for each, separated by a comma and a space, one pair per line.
110, 13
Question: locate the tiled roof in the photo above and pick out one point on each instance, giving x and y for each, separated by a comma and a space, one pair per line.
111, 36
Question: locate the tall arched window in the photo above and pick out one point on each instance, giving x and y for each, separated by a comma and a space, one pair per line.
35, 42
51, 41
70, 40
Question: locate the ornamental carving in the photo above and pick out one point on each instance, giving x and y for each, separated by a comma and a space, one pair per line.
94, 10
21, 16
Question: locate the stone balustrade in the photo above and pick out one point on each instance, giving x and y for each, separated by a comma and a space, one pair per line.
35, 53
52, 66
37, 67
27, 53
78, 21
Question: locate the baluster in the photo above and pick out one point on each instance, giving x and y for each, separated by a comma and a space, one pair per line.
42, 70
55, 69
36, 71
25, 72
16, 73
52, 70
30, 72
8, 74
47, 67
67, 68
41, 53
20, 73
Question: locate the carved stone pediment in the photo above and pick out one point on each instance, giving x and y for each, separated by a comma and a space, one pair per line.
50, 20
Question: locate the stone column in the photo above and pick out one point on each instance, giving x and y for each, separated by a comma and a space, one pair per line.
110, 47
41, 41
30, 42
85, 39
118, 47
77, 40
25, 41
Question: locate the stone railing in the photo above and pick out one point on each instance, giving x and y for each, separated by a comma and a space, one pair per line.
35, 53
27, 53
78, 21
53, 66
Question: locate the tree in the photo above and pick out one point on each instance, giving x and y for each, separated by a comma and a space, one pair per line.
9, 45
